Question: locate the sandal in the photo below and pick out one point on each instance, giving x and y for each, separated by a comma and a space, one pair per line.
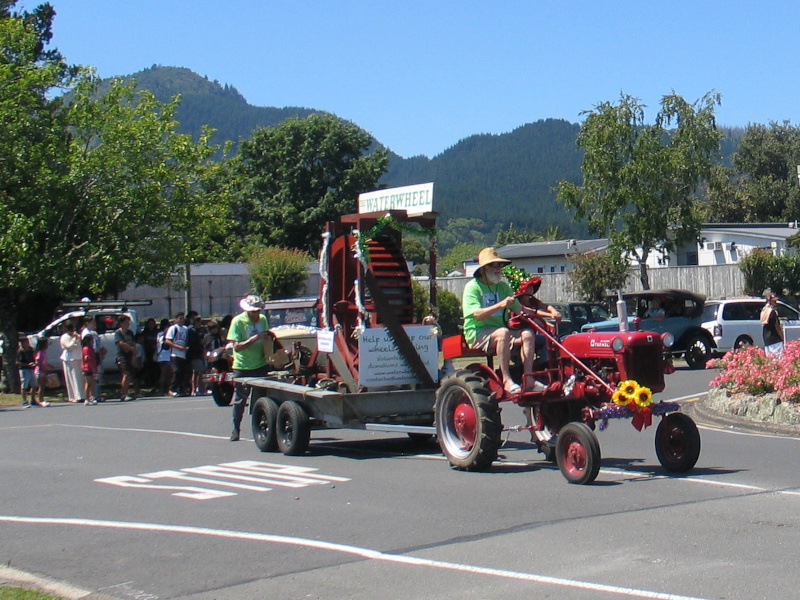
513, 389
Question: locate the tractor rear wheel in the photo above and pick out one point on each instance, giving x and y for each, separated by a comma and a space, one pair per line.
677, 443
468, 424
578, 453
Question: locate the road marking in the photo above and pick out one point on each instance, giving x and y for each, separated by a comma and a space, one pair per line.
355, 551
249, 475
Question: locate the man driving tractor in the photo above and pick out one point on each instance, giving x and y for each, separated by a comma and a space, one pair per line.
485, 299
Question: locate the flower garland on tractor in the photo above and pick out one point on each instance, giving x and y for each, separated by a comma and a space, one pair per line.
632, 400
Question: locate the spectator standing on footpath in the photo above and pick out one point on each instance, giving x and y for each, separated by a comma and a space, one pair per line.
90, 328
248, 331
25, 364
771, 327
126, 352
176, 340
149, 339
40, 370
194, 354
89, 367
137, 371
70, 342
163, 358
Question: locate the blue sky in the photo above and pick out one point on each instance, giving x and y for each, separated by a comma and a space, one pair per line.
422, 75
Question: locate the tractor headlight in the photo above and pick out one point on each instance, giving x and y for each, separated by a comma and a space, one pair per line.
617, 344
668, 339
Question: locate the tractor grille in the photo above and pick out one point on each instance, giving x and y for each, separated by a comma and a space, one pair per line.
645, 365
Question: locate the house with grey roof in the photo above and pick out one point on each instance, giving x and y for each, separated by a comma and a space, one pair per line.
542, 257
727, 243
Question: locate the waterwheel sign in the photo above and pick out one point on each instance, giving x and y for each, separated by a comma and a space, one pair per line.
413, 199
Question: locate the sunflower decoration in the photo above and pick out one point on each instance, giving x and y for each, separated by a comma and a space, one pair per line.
644, 397
625, 393
637, 399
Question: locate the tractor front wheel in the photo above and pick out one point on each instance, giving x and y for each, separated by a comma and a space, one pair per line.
677, 443
578, 453
468, 424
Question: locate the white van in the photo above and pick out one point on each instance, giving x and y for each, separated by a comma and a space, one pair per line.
736, 322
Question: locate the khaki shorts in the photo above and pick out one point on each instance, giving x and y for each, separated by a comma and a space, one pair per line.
484, 338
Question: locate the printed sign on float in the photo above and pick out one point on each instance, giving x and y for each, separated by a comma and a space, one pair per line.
414, 199
380, 362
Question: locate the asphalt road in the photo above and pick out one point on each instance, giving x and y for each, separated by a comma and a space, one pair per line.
150, 500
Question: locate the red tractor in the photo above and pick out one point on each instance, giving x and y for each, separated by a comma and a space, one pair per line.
371, 365
582, 378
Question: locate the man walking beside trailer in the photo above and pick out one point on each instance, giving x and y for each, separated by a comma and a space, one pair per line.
248, 331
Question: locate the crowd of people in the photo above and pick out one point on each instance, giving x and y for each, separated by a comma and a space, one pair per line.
167, 358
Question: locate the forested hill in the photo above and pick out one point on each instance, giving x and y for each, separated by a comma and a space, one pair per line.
506, 178
500, 179
205, 102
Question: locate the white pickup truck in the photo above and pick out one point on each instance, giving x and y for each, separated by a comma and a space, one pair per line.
106, 314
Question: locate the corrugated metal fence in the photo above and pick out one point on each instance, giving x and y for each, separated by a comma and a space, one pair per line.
218, 293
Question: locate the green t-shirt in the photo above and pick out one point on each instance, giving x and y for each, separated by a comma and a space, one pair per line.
480, 295
243, 328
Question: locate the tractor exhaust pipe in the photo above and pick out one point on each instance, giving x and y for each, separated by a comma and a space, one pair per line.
622, 312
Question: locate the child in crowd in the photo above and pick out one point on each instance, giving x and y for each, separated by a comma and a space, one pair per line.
25, 365
40, 370
89, 366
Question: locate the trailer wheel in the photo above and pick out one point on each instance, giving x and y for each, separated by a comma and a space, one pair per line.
468, 422
578, 453
677, 443
262, 422
293, 429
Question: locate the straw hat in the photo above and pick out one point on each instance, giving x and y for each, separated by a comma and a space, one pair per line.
487, 256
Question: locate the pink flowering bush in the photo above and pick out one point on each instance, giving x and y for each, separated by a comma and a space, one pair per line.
750, 371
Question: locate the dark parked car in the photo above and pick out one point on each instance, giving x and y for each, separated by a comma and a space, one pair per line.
683, 319
575, 315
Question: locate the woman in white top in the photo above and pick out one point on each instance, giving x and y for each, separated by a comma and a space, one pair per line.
70, 342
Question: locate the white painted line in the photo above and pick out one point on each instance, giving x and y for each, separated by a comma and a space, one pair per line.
139, 430
355, 551
774, 436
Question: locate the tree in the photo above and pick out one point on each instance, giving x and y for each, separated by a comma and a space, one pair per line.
278, 272
465, 231
595, 274
762, 185
639, 180
456, 257
414, 250
135, 190
96, 193
293, 178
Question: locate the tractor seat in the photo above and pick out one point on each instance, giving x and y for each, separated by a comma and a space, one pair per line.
455, 346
